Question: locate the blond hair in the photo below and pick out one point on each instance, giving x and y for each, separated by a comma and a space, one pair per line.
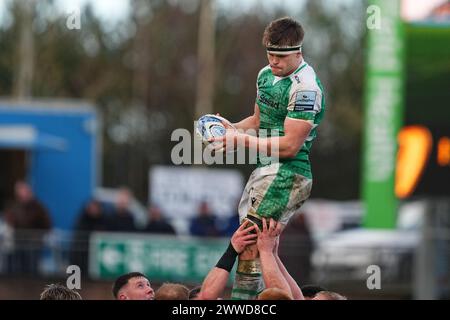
274, 294
172, 291
330, 295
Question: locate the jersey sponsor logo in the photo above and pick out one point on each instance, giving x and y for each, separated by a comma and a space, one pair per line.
305, 100
267, 101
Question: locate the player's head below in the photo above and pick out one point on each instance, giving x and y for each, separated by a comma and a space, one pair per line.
133, 286
274, 294
172, 291
283, 42
328, 295
59, 292
194, 293
310, 290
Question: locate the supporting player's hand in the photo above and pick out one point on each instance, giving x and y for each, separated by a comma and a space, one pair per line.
268, 237
275, 248
242, 237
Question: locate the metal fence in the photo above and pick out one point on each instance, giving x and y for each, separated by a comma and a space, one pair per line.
37, 253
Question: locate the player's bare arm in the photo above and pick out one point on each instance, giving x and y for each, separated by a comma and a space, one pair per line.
295, 289
272, 275
216, 280
287, 146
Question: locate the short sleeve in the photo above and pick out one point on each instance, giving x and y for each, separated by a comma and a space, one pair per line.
304, 103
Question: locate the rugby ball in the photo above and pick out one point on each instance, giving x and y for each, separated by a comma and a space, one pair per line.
211, 126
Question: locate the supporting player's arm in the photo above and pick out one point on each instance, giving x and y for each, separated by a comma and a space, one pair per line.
272, 275
295, 289
214, 284
216, 280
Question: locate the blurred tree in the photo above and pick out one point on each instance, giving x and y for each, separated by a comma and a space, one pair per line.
25, 50
334, 42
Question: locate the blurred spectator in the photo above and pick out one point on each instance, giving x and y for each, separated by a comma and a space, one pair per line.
27, 212
204, 225
229, 226
296, 247
59, 292
157, 223
29, 220
122, 219
92, 218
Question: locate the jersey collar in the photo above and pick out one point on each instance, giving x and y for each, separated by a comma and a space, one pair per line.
300, 67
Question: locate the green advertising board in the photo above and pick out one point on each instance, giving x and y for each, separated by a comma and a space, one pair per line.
162, 258
384, 86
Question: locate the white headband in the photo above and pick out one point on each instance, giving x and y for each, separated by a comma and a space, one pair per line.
283, 50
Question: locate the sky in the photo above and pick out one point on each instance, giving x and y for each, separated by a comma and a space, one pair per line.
118, 8
115, 10
107, 9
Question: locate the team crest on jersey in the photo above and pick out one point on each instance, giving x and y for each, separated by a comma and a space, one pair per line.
305, 100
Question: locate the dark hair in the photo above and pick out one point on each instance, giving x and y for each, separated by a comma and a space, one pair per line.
172, 291
123, 280
310, 290
194, 292
59, 292
283, 32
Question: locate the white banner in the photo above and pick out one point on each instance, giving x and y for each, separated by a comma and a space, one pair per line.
178, 191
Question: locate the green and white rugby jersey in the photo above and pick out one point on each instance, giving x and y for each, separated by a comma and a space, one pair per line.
299, 96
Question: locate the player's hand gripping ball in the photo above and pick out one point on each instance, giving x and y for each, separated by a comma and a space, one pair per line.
211, 126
